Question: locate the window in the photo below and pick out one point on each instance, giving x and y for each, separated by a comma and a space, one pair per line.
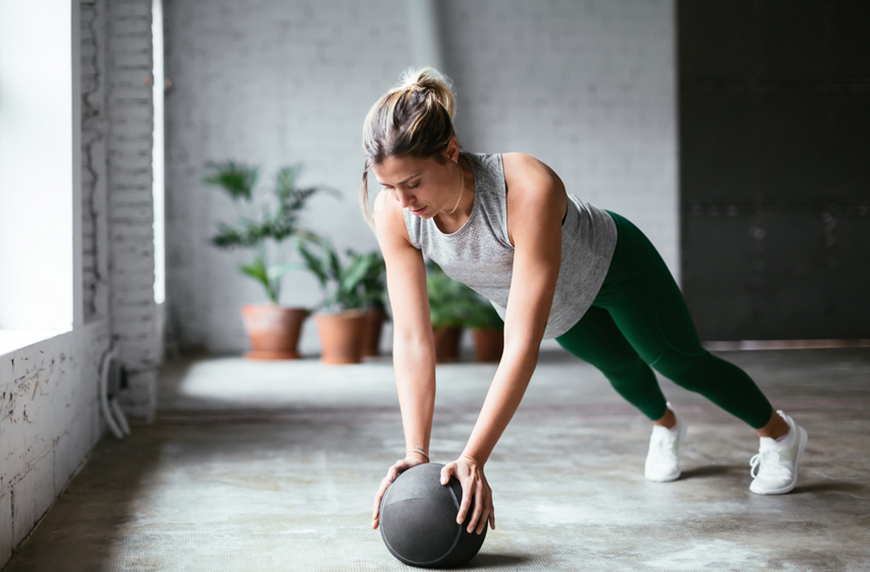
39, 170
157, 155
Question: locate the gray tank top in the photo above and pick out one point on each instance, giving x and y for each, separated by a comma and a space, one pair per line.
480, 255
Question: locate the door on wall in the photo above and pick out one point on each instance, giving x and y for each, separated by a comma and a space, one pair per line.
774, 106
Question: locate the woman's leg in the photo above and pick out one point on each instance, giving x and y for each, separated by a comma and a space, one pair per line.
596, 339
640, 299
649, 310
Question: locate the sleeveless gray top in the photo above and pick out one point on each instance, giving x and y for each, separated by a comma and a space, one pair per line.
480, 255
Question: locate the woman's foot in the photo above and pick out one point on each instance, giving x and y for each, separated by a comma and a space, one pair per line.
663, 460
775, 467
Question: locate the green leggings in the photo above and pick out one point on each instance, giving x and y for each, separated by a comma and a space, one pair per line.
639, 319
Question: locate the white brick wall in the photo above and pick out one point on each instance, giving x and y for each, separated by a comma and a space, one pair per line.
134, 320
586, 86
116, 172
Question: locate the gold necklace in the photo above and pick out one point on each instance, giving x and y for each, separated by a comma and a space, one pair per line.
461, 189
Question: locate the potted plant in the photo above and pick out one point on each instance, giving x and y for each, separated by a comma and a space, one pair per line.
266, 222
449, 304
375, 291
340, 317
488, 330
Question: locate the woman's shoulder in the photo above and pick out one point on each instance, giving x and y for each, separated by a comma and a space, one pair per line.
521, 163
533, 190
509, 154
525, 172
512, 166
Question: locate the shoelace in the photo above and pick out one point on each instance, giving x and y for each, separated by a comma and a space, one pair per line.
767, 461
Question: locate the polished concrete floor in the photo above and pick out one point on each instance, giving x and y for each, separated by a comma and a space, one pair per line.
272, 467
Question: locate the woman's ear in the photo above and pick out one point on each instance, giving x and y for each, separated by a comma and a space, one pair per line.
452, 150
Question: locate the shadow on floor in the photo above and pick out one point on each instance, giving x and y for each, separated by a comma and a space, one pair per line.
711, 471
830, 487
490, 560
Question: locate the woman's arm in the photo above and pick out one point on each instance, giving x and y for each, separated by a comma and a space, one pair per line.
413, 343
536, 205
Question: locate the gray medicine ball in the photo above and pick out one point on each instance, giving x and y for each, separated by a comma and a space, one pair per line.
418, 520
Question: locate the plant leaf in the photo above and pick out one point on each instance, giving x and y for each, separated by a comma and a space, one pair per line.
237, 180
314, 264
285, 182
274, 272
257, 270
357, 271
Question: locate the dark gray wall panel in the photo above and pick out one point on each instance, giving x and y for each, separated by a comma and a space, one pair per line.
774, 172
777, 274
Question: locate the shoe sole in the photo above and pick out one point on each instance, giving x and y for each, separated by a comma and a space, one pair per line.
802, 443
667, 480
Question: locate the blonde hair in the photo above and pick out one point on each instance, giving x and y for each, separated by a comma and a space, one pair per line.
414, 118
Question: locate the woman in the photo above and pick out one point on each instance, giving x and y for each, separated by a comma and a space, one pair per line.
503, 224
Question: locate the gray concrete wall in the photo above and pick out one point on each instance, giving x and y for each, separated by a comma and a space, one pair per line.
268, 83
587, 87
49, 412
775, 112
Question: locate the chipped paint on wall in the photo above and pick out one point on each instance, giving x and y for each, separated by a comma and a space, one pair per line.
48, 422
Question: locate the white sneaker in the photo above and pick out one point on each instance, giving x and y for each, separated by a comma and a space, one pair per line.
663, 460
775, 467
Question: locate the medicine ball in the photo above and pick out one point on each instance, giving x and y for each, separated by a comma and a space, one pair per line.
418, 520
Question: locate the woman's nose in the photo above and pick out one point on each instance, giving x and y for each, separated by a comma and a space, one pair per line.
404, 199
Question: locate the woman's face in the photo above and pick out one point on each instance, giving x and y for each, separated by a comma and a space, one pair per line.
424, 187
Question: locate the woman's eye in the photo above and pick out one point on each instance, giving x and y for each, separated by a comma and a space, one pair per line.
414, 185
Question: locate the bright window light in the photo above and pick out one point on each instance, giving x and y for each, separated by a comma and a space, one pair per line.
157, 156
36, 166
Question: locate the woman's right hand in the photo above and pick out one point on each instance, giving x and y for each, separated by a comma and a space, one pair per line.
410, 460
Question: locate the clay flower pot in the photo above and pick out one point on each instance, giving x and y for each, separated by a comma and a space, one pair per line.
488, 344
341, 336
447, 343
371, 338
273, 330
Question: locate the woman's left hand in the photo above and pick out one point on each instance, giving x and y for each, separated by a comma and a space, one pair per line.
475, 490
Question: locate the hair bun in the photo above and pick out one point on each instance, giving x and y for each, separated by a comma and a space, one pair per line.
432, 81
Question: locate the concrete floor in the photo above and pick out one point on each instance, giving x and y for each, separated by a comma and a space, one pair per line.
272, 466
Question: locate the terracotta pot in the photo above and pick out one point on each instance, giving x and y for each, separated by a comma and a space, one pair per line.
447, 343
341, 336
273, 330
371, 339
488, 344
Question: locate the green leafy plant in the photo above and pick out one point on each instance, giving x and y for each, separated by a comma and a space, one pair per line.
349, 285
450, 302
482, 315
266, 220
374, 283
